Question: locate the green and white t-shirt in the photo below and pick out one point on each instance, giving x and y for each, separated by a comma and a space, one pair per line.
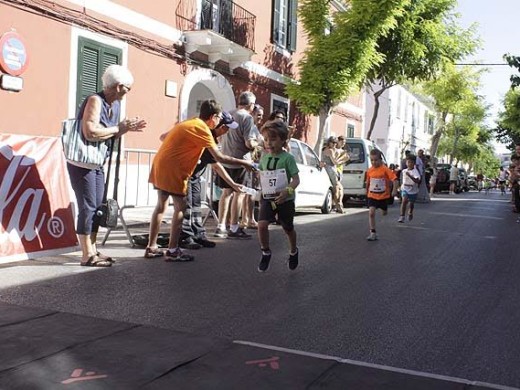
276, 172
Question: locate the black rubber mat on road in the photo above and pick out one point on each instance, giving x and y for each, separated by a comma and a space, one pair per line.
50, 350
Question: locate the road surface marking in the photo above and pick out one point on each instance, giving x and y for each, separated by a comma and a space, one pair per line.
377, 366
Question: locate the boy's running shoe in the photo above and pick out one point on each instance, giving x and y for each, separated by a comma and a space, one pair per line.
177, 255
264, 262
240, 234
410, 216
293, 260
372, 237
401, 219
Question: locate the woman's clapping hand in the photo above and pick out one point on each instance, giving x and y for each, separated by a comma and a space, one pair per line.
135, 125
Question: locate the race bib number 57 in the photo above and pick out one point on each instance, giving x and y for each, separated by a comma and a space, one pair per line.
273, 182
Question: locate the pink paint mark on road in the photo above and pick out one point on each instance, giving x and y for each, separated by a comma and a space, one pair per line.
76, 376
273, 362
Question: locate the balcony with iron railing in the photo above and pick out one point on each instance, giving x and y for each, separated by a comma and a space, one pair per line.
219, 28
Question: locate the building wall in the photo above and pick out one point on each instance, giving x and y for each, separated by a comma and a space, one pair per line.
400, 123
49, 82
48, 95
42, 104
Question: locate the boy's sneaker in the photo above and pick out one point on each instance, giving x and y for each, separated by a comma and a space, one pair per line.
372, 236
239, 234
293, 260
177, 255
222, 233
264, 262
410, 216
401, 219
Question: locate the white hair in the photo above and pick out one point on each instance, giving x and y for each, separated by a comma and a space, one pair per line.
117, 74
246, 98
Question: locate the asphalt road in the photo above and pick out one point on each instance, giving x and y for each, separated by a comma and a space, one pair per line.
439, 294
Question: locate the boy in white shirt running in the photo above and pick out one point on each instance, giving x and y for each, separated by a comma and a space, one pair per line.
410, 188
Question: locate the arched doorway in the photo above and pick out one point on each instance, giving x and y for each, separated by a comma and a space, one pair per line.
203, 84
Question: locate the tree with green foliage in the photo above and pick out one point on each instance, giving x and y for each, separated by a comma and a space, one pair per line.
338, 58
484, 160
424, 40
464, 129
487, 163
508, 124
514, 62
454, 92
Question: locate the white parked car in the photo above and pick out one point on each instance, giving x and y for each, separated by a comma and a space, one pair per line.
315, 189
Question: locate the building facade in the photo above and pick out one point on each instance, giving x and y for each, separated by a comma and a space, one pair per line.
180, 53
405, 121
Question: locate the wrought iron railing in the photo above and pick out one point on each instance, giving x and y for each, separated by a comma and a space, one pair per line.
222, 16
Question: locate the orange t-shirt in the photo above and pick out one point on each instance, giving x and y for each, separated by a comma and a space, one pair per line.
178, 155
378, 182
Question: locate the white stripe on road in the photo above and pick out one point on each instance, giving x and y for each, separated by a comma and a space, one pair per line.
457, 215
377, 366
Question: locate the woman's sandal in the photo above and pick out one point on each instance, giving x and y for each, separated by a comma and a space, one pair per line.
105, 257
152, 253
96, 261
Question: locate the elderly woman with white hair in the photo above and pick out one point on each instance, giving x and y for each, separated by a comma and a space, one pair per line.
99, 113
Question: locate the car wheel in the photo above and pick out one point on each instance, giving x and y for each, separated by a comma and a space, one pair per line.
327, 204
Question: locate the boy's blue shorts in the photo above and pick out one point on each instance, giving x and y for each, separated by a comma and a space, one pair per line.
411, 197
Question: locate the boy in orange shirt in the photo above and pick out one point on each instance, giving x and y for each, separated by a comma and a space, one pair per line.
379, 181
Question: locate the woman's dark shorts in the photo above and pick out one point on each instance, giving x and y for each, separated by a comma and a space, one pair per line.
285, 212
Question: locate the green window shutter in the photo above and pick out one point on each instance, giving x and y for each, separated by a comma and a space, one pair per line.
275, 21
93, 59
293, 24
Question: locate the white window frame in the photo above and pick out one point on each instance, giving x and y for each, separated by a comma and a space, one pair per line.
280, 99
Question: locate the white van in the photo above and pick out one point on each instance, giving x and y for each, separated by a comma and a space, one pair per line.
354, 171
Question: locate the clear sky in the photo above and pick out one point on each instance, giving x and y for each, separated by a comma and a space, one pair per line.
498, 29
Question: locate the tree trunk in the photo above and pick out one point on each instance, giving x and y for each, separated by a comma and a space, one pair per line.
440, 128
375, 113
455, 143
323, 117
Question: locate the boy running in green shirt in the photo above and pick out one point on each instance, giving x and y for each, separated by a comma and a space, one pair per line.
278, 179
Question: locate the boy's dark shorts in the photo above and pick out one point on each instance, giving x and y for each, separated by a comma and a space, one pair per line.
378, 203
237, 174
284, 211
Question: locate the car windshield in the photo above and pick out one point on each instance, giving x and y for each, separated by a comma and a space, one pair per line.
355, 151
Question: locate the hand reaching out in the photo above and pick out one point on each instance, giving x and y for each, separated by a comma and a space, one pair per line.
135, 125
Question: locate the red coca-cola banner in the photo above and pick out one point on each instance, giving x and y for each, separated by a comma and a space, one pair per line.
36, 217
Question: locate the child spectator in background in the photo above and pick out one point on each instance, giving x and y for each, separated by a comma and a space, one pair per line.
379, 182
278, 179
409, 188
